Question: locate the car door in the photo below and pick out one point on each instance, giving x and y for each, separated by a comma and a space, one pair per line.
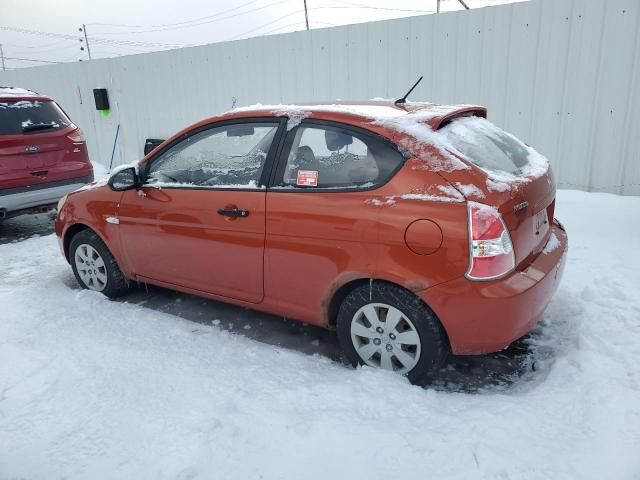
320, 228
198, 222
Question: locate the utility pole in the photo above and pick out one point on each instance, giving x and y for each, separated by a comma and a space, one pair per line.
462, 2
306, 14
83, 29
2, 56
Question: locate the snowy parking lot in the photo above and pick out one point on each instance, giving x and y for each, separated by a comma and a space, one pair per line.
158, 386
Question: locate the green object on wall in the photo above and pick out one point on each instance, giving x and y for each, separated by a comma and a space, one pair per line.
105, 112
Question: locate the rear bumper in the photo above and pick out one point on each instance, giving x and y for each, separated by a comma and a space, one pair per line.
15, 200
484, 317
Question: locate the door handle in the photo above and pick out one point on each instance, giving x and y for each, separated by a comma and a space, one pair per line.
40, 173
233, 212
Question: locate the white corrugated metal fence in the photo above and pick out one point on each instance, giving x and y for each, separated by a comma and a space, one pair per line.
561, 74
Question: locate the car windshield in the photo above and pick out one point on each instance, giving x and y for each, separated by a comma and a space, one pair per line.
34, 115
486, 145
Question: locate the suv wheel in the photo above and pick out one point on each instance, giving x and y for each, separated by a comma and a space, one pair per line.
95, 267
385, 326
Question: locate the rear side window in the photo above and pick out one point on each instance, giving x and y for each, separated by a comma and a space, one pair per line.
331, 156
486, 145
30, 116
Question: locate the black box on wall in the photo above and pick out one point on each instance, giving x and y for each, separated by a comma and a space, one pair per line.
102, 98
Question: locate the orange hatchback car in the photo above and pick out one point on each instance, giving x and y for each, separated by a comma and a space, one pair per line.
413, 229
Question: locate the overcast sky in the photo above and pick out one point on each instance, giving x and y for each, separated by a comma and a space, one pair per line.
122, 27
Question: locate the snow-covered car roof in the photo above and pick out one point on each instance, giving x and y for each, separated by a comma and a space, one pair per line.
17, 93
377, 110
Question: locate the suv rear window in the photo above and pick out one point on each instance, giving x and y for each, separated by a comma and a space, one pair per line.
486, 145
30, 116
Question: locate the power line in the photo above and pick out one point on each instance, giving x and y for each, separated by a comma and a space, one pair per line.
46, 46
265, 25
134, 46
220, 19
62, 58
283, 27
351, 6
183, 25
29, 60
177, 23
316, 8
296, 24
93, 39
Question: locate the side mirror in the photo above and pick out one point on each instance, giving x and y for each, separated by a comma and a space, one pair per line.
124, 179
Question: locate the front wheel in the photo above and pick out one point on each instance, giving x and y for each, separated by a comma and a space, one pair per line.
385, 326
94, 266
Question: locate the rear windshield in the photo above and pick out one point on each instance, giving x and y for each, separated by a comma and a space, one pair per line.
30, 116
486, 145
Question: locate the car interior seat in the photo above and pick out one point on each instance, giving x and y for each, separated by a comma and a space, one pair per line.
304, 159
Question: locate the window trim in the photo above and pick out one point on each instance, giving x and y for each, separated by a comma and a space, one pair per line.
275, 186
266, 169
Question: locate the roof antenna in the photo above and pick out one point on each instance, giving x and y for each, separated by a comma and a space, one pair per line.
404, 99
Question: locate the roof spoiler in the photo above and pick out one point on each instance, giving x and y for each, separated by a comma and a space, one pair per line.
470, 111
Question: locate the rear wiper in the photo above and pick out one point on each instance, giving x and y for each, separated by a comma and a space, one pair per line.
39, 126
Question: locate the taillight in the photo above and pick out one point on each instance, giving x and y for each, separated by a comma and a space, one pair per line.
489, 243
77, 136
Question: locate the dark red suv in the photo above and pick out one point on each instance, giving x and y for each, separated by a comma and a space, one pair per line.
43, 155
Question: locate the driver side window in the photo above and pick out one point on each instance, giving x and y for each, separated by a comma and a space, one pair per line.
230, 156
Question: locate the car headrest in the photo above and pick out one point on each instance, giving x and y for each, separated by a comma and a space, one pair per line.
337, 140
305, 156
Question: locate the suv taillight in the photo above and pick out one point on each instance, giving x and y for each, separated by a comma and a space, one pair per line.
77, 136
491, 250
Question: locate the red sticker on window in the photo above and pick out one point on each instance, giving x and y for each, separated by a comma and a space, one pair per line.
307, 178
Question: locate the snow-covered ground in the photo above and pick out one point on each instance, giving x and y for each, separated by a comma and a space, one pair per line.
94, 389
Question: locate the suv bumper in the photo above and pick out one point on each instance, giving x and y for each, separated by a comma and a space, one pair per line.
485, 317
16, 200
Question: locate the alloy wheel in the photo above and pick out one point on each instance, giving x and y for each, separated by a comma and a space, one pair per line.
384, 337
91, 267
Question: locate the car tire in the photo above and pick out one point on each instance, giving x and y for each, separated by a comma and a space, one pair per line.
393, 329
94, 266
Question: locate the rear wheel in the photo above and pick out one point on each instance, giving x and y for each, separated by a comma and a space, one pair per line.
385, 326
95, 267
